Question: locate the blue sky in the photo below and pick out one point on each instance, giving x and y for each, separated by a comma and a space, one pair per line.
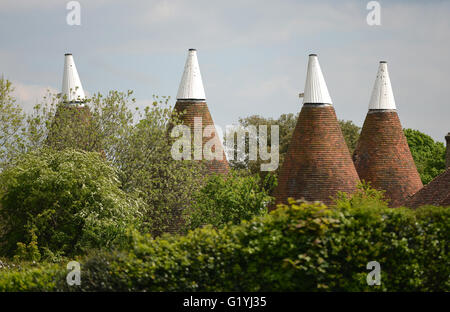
252, 54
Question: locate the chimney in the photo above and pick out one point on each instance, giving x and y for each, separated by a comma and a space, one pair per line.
382, 154
191, 105
318, 163
72, 90
447, 153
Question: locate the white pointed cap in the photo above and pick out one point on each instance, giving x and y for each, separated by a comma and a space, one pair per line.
316, 91
71, 85
191, 85
382, 95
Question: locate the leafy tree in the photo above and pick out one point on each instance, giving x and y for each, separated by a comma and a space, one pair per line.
61, 203
11, 121
97, 125
428, 155
136, 142
351, 133
144, 158
232, 199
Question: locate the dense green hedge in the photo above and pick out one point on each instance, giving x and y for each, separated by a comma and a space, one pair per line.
301, 247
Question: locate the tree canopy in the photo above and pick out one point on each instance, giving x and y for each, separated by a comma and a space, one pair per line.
428, 155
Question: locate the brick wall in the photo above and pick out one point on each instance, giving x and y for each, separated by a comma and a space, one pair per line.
318, 163
382, 156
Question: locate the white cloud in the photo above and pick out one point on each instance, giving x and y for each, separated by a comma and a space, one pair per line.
28, 95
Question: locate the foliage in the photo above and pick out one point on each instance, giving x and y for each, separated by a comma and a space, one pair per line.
297, 247
11, 121
364, 197
231, 198
61, 202
98, 125
428, 155
136, 142
147, 168
351, 132
31, 277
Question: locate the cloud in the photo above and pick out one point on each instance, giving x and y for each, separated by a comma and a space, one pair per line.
28, 95
252, 53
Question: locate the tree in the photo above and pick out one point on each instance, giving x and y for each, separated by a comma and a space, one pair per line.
11, 122
351, 133
97, 125
62, 203
233, 198
137, 143
428, 155
144, 158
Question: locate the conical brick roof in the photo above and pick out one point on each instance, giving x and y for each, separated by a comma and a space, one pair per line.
318, 163
436, 193
191, 106
382, 156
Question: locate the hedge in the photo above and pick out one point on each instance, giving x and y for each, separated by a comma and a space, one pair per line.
300, 247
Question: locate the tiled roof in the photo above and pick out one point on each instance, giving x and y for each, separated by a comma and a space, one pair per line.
436, 193
382, 156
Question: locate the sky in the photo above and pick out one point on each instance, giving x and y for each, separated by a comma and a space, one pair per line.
252, 54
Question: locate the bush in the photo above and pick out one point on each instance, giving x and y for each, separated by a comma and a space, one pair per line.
231, 198
61, 203
297, 247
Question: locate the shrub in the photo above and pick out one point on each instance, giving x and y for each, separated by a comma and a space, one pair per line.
365, 197
60, 203
297, 247
231, 198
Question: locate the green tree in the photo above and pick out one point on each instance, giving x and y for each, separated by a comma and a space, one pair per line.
144, 158
136, 142
351, 133
233, 198
428, 155
11, 122
62, 202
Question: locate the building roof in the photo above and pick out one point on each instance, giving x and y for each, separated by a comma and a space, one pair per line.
191, 107
382, 95
436, 193
71, 89
317, 164
383, 158
382, 155
191, 85
316, 91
